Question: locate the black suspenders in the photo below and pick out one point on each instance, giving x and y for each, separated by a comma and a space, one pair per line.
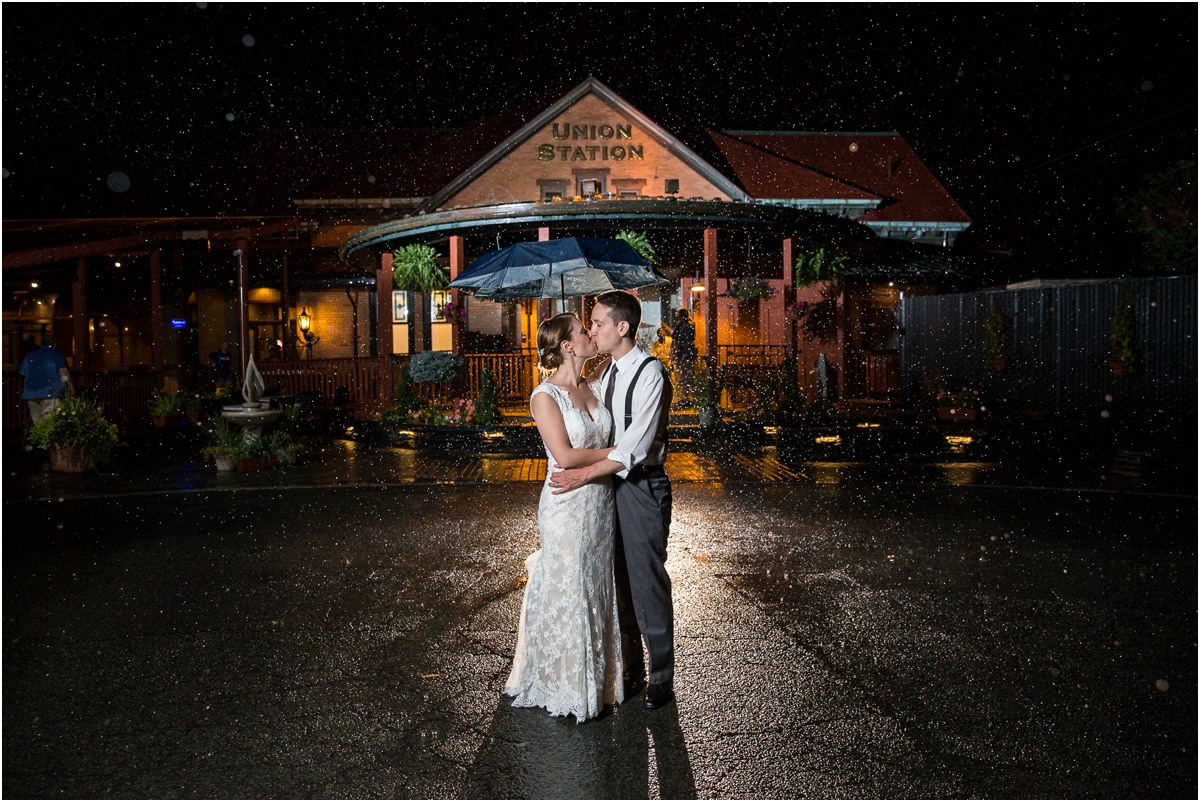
629, 393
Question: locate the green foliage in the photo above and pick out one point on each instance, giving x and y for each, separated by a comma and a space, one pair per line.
487, 406
1163, 212
224, 438
704, 395
407, 400
996, 334
750, 289
76, 423
820, 265
637, 241
790, 396
415, 269
1122, 347
435, 366
164, 404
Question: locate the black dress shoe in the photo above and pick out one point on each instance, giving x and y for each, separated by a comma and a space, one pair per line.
658, 695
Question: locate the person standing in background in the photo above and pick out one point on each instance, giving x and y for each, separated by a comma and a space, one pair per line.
46, 376
683, 354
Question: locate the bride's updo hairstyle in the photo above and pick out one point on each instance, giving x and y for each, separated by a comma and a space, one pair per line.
550, 337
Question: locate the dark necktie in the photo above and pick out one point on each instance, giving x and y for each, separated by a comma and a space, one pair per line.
608, 397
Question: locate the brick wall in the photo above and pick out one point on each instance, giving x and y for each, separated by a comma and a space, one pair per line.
332, 321
516, 176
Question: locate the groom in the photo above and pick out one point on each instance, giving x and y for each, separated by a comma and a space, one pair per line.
637, 390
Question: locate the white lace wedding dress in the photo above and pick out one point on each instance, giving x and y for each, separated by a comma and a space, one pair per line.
568, 657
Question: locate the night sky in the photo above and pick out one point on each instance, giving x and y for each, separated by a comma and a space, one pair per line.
1035, 118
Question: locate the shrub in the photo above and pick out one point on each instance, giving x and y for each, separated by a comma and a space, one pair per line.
487, 406
415, 268
435, 366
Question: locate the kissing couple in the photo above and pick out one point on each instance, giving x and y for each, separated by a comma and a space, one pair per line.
598, 587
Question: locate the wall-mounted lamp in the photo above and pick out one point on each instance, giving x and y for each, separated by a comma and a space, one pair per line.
304, 321
33, 284
698, 288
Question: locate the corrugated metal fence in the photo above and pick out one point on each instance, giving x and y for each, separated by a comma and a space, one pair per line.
1059, 341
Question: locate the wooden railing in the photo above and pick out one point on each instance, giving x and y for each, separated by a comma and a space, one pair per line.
750, 354
364, 382
123, 394
515, 374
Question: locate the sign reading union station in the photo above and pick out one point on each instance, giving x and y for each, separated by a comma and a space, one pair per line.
548, 152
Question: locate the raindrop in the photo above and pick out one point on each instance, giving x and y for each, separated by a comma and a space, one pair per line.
118, 181
6, 172
1104, 413
1067, 76
248, 40
202, 5
1147, 86
1162, 685
370, 179
229, 116
1108, 398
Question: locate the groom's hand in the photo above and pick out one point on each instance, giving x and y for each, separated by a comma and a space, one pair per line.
568, 479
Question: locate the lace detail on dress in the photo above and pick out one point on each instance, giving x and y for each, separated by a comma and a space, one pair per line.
568, 657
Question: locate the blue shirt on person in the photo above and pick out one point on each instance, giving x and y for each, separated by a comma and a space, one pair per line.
40, 369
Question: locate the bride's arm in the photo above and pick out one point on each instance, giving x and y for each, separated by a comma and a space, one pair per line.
553, 429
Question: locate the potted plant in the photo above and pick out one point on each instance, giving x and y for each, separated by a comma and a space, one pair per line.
1122, 352
820, 265
256, 455
748, 290
164, 408
704, 397
75, 435
224, 444
958, 406
193, 407
995, 346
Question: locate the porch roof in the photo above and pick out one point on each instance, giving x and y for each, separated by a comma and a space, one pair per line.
364, 248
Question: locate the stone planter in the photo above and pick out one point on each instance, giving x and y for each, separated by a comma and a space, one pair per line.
69, 460
956, 414
225, 462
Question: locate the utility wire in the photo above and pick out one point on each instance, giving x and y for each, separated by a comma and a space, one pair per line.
1114, 136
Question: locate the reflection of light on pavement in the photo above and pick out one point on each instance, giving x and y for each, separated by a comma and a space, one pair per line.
959, 444
962, 473
771, 429
827, 473
493, 435
829, 439
869, 425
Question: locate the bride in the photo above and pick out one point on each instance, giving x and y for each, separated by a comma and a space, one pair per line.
568, 657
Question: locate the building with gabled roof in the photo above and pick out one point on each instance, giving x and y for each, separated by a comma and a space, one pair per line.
321, 212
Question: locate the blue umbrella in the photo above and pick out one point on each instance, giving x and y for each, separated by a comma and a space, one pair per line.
558, 268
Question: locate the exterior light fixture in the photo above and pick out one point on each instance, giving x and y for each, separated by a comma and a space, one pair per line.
304, 321
116, 264
698, 287
34, 285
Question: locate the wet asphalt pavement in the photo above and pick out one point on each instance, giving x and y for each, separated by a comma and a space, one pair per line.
857, 639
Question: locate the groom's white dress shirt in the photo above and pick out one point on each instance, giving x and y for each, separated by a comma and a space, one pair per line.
645, 441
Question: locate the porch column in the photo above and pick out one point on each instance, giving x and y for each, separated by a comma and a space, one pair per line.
789, 297
710, 297
156, 313
79, 319
383, 328
289, 339
842, 359
245, 347
457, 265
544, 304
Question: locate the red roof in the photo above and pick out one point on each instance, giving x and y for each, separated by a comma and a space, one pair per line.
871, 164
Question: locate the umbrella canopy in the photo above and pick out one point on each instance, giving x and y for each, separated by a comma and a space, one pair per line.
558, 268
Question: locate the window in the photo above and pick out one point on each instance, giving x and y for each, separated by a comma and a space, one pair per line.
671, 186
591, 185
552, 192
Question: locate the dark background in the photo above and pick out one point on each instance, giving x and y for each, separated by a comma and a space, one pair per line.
1035, 118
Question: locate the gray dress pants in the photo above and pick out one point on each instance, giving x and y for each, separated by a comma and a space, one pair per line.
643, 586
